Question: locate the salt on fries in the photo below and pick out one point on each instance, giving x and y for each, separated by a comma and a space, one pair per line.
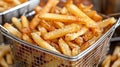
67, 30
7, 4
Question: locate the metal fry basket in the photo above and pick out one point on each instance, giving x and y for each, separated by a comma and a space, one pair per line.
29, 55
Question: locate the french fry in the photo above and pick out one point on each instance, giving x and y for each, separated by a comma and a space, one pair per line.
61, 32
42, 30
47, 26
16, 2
117, 51
42, 43
35, 21
49, 5
79, 41
4, 51
72, 45
9, 59
64, 11
77, 12
3, 63
73, 36
75, 51
17, 23
88, 35
55, 10
37, 9
106, 62
25, 37
56, 46
116, 63
106, 22
13, 30
59, 25
64, 47
89, 43
25, 25
58, 17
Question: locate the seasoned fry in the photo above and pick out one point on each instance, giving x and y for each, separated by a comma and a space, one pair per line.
77, 12
72, 45
59, 25
106, 62
88, 35
42, 30
42, 43
37, 9
79, 41
117, 51
9, 59
3, 63
13, 30
64, 11
47, 26
61, 32
17, 23
75, 51
27, 38
58, 17
64, 47
73, 36
107, 22
25, 25
116, 63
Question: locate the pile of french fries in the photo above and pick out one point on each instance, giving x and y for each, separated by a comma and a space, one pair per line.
7, 4
6, 58
113, 60
67, 30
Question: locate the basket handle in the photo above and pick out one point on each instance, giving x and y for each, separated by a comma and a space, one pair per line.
4, 29
118, 23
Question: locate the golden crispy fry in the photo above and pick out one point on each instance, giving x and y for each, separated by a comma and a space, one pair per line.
106, 62
77, 12
42, 30
117, 51
35, 21
49, 5
64, 11
16, 2
47, 26
58, 17
72, 45
12, 30
9, 59
56, 46
64, 47
3, 63
42, 43
25, 37
25, 25
79, 41
61, 32
73, 36
116, 63
75, 51
88, 35
59, 25
107, 22
55, 10
37, 9
89, 43
17, 23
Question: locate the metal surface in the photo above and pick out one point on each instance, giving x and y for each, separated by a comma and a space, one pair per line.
17, 11
28, 55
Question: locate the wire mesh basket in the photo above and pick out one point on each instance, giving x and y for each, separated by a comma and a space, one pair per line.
29, 55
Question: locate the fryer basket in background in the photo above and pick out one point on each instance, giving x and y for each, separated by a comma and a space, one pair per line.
17, 11
29, 55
